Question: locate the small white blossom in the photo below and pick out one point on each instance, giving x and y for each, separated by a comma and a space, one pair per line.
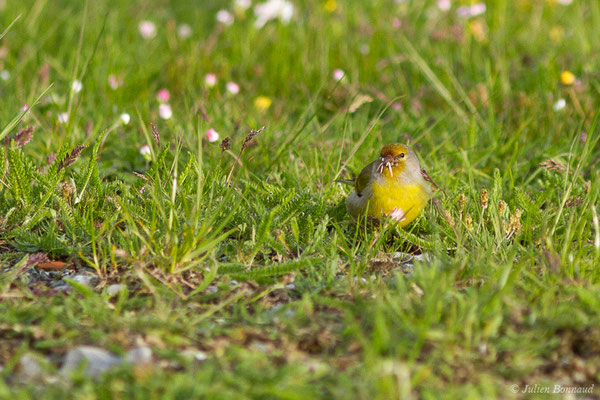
184, 31
125, 118
4, 75
63, 117
232, 87
243, 4
565, 2
165, 112
147, 29
560, 104
273, 9
444, 5
210, 79
76, 86
212, 135
471, 11
338, 74
478, 9
225, 17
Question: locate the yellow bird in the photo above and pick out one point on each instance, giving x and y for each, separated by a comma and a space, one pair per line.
393, 185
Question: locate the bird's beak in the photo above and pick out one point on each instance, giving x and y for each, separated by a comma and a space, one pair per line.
386, 162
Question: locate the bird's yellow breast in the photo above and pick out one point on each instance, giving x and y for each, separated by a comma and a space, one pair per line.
410, 198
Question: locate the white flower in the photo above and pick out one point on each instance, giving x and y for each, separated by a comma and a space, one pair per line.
565, 2
232, 87
212, 135
444, 5
243, 4
560, 104
165, 112
63, 117
76, 86
145, 150
147, 29
184, 31
273, 9
338, 74
210, 79
478, 9
125, 118
225, 17
4, 75
471, 11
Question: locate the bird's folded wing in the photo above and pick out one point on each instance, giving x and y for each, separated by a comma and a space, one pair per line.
364, 178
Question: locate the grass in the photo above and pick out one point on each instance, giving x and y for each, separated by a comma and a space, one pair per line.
248, 256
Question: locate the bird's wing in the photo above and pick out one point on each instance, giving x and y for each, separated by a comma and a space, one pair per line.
363, 179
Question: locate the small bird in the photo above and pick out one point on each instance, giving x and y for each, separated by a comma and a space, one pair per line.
393, 185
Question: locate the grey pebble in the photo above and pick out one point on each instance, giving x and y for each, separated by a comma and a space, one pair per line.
86, 280
114, 289
139, 356
29, 368
97, 361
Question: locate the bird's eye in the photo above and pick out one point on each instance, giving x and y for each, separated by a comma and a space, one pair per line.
401, 155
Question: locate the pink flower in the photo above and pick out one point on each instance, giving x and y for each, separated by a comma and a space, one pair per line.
184, 31
165, 112
210, 79
225, 17
212, 135
147, 29
114, 82
397, 214
338, 74
232, 87
471, 11
63, 118
163, 96
25, 107
145, 150
444, 5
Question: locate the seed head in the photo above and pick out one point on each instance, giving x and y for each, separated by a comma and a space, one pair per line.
462, 202
448, 218
501, 207
250, 137
156, 135
483, 199
225, 144
469, 223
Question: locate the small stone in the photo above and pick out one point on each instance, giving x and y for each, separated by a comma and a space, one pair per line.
29, 368
114, 289
194, 354
97, 361
84, 279
139, 356
212, 289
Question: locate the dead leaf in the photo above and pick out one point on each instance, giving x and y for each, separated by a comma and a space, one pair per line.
51, 266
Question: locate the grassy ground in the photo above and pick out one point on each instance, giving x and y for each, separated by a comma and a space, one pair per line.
255, 265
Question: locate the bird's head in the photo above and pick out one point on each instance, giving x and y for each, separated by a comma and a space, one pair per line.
395, 158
